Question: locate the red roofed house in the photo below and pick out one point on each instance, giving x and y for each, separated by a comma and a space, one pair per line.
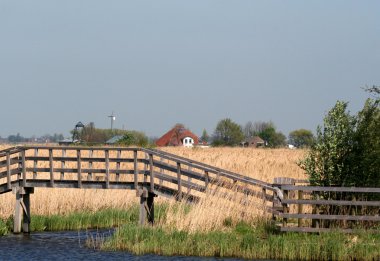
178, 136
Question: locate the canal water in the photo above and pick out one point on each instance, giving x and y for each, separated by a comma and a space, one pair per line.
69, 245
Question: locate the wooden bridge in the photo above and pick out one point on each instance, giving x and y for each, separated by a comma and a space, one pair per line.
153, 173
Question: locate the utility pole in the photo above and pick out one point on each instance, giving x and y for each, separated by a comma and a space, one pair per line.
113, 118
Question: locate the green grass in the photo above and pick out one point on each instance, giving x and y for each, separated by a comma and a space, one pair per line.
256, 240
3, 228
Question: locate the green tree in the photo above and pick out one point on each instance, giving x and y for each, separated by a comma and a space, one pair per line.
347, 148
205, 137
227, 133
135, 138
301, 138
267, 131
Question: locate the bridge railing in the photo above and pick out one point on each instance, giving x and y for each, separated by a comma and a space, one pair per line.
133, 168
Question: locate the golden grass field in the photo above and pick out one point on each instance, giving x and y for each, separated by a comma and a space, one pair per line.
262, 164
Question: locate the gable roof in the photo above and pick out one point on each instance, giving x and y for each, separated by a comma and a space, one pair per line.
175, 136
114, 139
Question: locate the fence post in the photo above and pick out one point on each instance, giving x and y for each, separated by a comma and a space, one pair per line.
278, 182
107, 154
9, 185
23, 169
90, 175
300, 208
151, 172
35, 164
118, 165
135, 170
146, 207
207, 179
79, 167
63, 163
179, 182
315, 222
51, 167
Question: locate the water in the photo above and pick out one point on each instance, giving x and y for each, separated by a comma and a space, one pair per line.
69, 245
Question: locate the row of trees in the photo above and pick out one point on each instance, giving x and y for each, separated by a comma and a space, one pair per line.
229, 133
45, 138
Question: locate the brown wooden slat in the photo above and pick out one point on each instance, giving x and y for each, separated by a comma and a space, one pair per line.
15, 171
75, 170
330, 217
332, 202
12, 162
331, 189
184, 183
318, 230
184, 172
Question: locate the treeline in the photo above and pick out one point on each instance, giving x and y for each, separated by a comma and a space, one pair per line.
47, 138
229, 133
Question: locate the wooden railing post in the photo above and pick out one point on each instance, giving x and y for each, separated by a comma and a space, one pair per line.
9, 185
35, 164
90, 175
145, 169
285, 208
51, 167
63, 163
107, 154
23, 169
179, 193
136, 171
300, 208
118, 165
207, 179
151, 172
315, 222
79, 167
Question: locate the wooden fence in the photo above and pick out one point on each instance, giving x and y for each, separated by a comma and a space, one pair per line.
320, 209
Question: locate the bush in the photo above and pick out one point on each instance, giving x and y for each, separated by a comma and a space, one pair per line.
347, 148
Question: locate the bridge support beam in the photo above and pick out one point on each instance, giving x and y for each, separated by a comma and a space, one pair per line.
21, 220
146, 207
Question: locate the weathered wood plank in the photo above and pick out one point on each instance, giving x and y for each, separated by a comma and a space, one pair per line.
135, 170
184, 172
79, 168
330, 217
179, 181
35, 162
9, 186
51, 168
23, 168
331, 189
151, 171
107, 168
332, 202
184, 183
323, 230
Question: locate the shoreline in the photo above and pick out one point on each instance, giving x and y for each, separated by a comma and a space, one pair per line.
257, 239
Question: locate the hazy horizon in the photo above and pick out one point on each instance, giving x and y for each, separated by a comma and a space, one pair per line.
158, 63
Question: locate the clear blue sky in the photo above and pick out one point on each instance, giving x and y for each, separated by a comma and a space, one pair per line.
156, 63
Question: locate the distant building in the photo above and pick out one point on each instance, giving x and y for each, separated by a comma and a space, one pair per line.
254, 142
178, 136
114, 140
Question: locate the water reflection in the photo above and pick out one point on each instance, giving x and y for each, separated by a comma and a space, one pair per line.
68, 246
